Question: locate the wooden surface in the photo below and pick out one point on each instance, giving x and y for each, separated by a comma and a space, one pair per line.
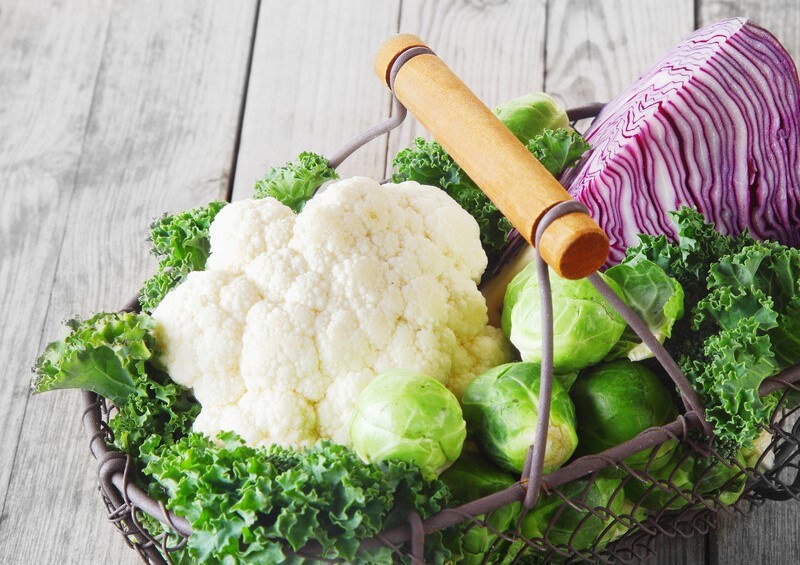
113, 112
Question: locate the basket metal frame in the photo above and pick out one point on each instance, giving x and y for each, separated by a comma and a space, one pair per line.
126, 501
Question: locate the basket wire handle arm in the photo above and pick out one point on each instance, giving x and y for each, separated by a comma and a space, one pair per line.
534, 462
691, 400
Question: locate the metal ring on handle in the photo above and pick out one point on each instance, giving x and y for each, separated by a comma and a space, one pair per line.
535, 460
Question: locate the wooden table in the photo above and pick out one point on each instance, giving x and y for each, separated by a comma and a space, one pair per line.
114, 112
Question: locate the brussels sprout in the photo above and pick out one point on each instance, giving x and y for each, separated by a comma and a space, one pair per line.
585, 326
573, 526
501, 407
617, 401
410, 417
679, 471
528, 115
693, 474
628, 513
726, 481
473, 477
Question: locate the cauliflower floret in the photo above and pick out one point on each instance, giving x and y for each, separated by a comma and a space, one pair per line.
296, 313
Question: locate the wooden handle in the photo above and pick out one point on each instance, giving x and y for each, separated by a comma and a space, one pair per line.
573, 245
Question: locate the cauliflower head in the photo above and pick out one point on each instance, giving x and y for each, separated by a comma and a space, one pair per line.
296, 313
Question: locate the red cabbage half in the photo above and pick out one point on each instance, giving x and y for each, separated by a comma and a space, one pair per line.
713, 125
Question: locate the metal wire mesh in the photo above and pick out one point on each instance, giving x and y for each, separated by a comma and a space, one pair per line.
616, 531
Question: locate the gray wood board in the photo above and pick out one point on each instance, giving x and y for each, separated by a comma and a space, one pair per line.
160, 132
50, 59
312, 87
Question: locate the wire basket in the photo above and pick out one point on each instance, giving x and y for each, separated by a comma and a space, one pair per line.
571, 524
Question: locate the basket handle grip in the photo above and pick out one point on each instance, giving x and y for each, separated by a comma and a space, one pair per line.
574, 245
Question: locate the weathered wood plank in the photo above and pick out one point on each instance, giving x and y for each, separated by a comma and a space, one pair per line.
161, 136
497, 48
312, 86
781, 17
770, 534
594, 50
49, 58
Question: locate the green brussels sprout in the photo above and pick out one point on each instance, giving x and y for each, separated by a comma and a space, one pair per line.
692, 474
617, 401
410, 417
527, 116
470, 478
501, 407
628, 513
726, 481
573, 526
585, 326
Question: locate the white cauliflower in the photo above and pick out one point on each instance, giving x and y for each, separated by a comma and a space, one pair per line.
296, 313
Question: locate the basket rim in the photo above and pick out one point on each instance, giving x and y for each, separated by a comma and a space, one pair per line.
116, 484
114, 465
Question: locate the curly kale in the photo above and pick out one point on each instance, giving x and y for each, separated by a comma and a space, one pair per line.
110, 354
296, 182
558, 149
261, 504
182, 244
744, 297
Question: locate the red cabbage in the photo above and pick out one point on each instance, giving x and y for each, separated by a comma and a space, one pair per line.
714, 125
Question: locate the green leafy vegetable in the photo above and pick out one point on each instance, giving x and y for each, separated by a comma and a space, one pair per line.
181, 243
585, 326
250, 504
527, 116
296, 182
110, 354
617, 401
744, 297
656, 297
104, 354
470, 478
558, 149
690, 260
571, 524
501, 407
687, 477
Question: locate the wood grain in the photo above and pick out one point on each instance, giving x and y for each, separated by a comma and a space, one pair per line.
111, 113
496, 48
160, 136
780, 17
49, 59
772, 533
594, 50
597, 48
312, 85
